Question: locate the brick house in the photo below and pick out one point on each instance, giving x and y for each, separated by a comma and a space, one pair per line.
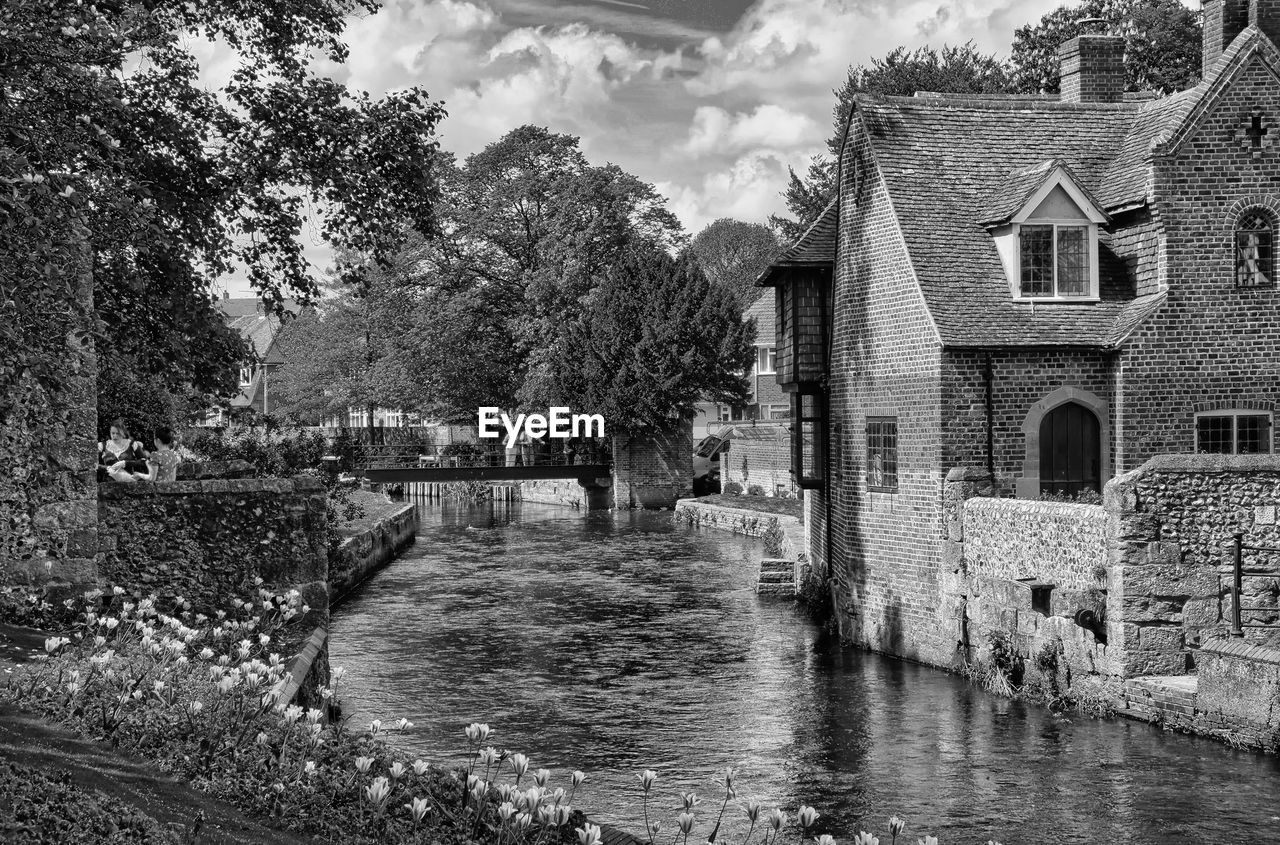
260, 330
1053, 288
767, 401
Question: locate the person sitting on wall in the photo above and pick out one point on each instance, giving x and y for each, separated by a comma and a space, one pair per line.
119, 457
162, 464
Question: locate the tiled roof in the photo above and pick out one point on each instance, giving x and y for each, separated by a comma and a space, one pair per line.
953, 163
816, 247
259, 330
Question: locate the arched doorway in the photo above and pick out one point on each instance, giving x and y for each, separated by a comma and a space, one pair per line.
1070, 451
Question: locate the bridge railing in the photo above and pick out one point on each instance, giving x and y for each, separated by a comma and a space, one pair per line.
398, 456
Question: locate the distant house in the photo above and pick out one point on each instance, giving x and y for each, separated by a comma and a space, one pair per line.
1052, 289
260, 329
767, 401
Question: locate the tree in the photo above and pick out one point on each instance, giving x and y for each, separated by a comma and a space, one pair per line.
733, 254
954, 69
1162, 44
529, 228
103, 120
657, 338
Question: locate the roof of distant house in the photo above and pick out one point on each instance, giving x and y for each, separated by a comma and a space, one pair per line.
256, 325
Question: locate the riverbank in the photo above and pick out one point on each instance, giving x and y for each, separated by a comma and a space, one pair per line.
784, 570
371, 542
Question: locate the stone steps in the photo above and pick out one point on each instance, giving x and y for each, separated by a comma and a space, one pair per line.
777, 577
1170, 699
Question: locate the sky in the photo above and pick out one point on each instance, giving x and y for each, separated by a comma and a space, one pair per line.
709, 100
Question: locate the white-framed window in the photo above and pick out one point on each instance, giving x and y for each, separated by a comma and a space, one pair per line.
1234, 432
1049, 246
246, 376
725, 412
766, 360
1056, 260
778, 412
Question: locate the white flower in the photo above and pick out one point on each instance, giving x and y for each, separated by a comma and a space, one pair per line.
314, 716
647, 777
396, 770
363, 764
476, 731
403, 724
685, 820
418, 808
52, 644
863, 838
194, 707
806, 816
541, 777
378, 791
375, 726
577, 778
588, 834
420, 767
310, 768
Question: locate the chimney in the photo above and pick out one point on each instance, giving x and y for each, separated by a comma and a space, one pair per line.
1092, 67
1225, 19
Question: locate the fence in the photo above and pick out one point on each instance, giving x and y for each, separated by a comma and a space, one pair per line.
1239, 573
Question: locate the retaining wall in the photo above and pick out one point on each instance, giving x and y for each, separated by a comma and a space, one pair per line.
359, 556
569, 493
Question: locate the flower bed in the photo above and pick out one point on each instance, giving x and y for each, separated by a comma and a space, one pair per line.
202, 697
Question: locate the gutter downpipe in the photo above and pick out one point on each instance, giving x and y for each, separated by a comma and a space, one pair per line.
830, 332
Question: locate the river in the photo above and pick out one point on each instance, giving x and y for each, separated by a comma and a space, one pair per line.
616, 642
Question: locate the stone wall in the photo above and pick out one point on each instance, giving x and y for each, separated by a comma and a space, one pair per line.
1174, 521
653, 470
48, 422
569, 493
1239, 692
759, 457
1056, 542
359, 556
208, 540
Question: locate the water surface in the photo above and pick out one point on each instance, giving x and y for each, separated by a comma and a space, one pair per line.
615, 642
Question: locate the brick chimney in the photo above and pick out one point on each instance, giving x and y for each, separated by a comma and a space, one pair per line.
1092, 69
1225, 19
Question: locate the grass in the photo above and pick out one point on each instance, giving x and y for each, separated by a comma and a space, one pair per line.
376, 507
775, 505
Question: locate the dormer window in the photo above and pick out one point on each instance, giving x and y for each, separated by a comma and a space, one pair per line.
1045, 228
1054, 260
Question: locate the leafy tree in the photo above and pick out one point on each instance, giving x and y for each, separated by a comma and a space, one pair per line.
657, 338
529, 228
104, 121
1162, 44
954, 69
733, 254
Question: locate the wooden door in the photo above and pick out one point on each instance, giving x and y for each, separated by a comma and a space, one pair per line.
1070, 451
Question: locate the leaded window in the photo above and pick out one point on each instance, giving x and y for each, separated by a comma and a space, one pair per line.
1054, 260
1255, 249
882, 454
1234, 433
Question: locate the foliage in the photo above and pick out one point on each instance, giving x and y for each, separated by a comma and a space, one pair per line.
37, 807
902, 72
115, 148
733, 254
657, 338
530, 227
731, 488
275, 453
1162, 44
1080, 497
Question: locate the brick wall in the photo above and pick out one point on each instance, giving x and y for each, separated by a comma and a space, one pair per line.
760, 457
885, 362
653, 470
1021, 381
569, 493
1212, 344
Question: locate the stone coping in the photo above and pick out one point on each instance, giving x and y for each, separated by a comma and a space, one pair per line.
1243, 650
1037, 506
707, 507
1206, 463
115, 491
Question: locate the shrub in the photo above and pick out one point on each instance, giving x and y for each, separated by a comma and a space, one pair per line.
755, 490
275, 453
37, 808
732, 488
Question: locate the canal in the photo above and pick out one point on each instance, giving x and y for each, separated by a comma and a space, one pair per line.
616, 642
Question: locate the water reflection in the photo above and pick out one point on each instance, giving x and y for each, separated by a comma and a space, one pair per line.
617, 642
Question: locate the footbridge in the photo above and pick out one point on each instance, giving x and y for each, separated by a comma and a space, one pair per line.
387, 465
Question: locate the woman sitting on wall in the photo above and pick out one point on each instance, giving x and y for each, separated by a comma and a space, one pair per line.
119, 457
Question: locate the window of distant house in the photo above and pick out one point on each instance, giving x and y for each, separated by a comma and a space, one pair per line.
779, 412
1054, 260
246, 376
1233, 432
882, 454
766, 360
1255, 249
